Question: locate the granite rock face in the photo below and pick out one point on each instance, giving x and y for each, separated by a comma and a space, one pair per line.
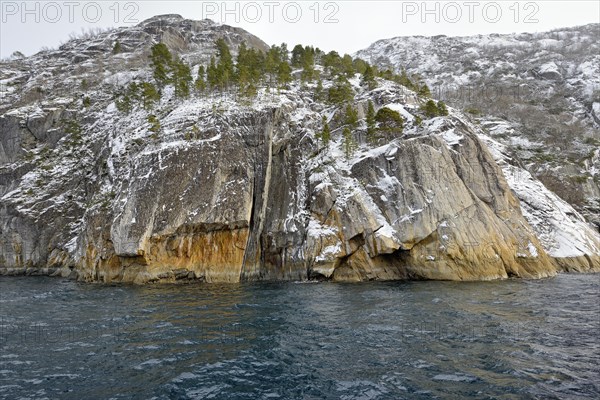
536, 92
245, 207
230, 191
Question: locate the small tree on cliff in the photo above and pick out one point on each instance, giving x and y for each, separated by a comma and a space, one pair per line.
154, 126
200, 83
348, 66
123, 103
319, 90
225, 72
308, 65
442, 110
424, 90
72, 127
351, 117
349, 144
368, 77
284, 74
211, 74
390, 121
161, 62
149, 95
181, 78
297, 56
341, 92
430, 109
117, 47
404, 80
325, 134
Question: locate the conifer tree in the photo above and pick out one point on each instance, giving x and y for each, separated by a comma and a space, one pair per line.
348, 143
442, 109
390, 121
284, 52
225, 68
348, 66
123, 104
284, 74
129, 98
72, 127
351, 117
404, 80
325, 133
154, 125
318, 55
250, 68
308, 65
332, 62
249, 90
430, 109
243, 75
200, 83
319, 90
387, 75
149, 95
212, 77
272, 62
256, 63
117, 47
181, 78
161, 61
297, 56
424, 91
368, 77
360, 66
341, 92
133, 90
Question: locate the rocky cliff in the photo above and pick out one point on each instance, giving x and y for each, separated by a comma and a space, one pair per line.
232, 190
544, 86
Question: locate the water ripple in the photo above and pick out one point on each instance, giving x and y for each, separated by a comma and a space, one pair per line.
405, 340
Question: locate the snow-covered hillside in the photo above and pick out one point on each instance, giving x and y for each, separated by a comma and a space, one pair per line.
545, 86
562, 230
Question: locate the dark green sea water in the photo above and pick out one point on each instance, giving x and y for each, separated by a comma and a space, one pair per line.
403, 340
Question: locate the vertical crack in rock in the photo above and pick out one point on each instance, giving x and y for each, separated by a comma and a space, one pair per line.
253, 257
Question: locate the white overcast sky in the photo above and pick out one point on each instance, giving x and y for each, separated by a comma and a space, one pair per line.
345, 26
